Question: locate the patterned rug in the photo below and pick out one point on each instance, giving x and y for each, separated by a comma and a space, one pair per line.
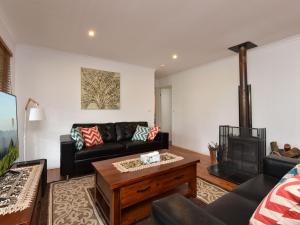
70, 202
208, 192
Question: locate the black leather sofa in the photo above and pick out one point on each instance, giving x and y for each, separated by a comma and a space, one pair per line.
117, 142
234, 208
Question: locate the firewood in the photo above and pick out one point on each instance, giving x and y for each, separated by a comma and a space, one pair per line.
287, 147
292, 153
274, 146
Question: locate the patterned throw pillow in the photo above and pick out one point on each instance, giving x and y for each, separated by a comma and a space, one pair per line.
281, 205
153, 132
293, 172
91, 136
141, 133
77, 137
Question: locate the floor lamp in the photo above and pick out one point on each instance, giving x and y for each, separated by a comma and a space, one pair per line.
35, 114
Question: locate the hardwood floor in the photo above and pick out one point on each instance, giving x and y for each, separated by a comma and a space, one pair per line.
202, 170
54, 174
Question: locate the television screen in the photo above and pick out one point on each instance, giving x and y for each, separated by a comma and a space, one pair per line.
9, 151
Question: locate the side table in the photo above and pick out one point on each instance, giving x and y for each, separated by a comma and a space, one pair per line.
30, 215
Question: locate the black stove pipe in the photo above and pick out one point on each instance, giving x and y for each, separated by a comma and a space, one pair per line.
245, 103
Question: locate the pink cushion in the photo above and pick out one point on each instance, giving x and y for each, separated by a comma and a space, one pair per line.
91, 136
281, 205
153, 132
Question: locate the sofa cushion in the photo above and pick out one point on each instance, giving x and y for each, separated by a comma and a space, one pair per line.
178, 210
281, 205
99, 151
91, 136
77, 137
153, 132
232, 209
107, 130
141, 133
84, 125
125, 130
293, 172
256, 188
139, 146
278, 166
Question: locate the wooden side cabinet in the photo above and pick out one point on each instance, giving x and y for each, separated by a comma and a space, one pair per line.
30, 215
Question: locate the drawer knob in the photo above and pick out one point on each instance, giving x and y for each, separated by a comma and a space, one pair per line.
143, 190
179, 177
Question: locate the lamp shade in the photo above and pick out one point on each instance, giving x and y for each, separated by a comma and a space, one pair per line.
35, 114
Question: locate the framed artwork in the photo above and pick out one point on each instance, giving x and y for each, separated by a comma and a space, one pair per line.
100, 89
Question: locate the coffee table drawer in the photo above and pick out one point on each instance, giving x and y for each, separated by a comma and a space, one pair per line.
146, 189
173, 179
137, 192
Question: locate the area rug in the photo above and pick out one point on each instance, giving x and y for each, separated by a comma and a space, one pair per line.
208, 192
70, 202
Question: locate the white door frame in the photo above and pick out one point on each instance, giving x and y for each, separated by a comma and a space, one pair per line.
158, 107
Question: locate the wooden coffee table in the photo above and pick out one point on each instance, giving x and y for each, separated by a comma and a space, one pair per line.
125, 198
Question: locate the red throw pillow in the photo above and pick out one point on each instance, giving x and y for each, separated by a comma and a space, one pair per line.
91, 136
153, 132
281, 205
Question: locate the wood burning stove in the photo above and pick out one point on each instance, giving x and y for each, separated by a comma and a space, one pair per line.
241, 153
241, 148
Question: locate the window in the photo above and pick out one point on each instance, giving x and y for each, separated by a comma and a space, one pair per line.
5, 76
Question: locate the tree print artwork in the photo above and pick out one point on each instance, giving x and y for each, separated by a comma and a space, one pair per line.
99, 89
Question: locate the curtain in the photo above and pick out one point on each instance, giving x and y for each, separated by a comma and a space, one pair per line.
5, 75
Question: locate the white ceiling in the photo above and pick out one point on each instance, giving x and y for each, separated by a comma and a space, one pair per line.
148, 32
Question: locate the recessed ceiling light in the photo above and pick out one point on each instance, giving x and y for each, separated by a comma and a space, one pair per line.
91, 33
174, 56
162, 65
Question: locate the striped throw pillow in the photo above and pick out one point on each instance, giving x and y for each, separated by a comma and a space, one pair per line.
77, 137
281, 205
293, 172
91, 136
141, 133
153, 132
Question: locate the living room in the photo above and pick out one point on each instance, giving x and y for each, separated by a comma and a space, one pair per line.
149, 46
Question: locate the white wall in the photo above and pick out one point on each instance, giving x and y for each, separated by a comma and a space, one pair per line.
53, 79
207, 96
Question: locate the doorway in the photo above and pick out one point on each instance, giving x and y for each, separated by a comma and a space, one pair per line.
163, 110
